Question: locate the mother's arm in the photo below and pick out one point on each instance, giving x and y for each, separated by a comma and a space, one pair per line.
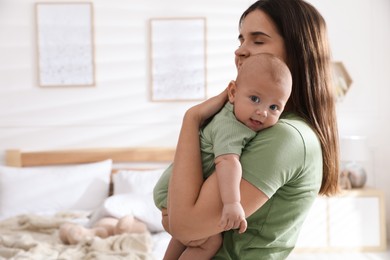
195, 207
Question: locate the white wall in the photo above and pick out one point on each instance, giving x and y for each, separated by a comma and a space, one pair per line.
118, 113
360, 37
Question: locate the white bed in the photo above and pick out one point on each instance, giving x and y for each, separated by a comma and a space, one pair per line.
41, 190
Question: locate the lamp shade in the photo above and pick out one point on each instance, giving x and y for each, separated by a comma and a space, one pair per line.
353, 149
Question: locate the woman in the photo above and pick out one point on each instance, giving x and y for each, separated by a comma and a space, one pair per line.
284, 167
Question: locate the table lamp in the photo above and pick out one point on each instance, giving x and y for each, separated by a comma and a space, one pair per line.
353, 152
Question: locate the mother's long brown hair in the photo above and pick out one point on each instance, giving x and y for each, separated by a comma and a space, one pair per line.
308, 57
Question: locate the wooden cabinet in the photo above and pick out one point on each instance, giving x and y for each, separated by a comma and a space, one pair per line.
351, 221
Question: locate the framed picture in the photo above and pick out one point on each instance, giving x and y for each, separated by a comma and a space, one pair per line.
65, 44
341, 79
178, 59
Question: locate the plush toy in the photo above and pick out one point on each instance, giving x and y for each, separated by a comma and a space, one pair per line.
71, 233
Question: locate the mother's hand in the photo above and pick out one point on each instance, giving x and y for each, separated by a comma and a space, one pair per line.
208, 108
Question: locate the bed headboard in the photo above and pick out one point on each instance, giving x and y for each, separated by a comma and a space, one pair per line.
19, 158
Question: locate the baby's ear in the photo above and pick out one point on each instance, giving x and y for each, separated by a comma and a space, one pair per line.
232, 88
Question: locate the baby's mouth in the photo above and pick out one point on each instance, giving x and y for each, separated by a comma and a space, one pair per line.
256, 124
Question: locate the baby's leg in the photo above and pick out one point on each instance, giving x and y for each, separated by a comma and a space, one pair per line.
204, 251
174, 250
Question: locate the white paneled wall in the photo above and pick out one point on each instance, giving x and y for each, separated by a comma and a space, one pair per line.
360, 37
117, 111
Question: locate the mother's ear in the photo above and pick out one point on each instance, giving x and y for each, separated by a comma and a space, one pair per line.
232, 89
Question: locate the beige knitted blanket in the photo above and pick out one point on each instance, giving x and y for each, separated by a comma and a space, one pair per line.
36, 238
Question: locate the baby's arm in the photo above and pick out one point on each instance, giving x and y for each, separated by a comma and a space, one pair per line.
228, 169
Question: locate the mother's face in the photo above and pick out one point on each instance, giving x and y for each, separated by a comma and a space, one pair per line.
259, 34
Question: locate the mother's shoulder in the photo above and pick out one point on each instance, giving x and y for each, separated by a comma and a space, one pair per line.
287, 139
287, 129
294, 124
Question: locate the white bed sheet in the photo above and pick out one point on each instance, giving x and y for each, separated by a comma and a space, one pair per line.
160, 240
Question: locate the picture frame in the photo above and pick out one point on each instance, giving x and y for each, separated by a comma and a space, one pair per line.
341, 78
178, 59
65, 44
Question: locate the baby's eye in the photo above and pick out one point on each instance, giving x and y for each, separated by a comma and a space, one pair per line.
273, 107
255, 99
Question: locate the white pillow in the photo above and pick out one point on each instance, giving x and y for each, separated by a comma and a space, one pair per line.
141, 206
136, 181
53, 188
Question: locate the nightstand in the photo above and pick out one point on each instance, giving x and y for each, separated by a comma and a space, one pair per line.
351, 221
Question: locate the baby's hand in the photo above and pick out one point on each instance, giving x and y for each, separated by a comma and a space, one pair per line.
233, 217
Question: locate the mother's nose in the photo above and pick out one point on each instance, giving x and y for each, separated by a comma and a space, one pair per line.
242, 51
240, 55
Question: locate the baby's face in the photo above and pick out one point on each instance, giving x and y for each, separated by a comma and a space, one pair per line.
259, 101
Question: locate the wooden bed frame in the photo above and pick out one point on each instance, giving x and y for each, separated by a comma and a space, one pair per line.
19, 158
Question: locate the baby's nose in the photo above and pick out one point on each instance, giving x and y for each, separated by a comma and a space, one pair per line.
261, 112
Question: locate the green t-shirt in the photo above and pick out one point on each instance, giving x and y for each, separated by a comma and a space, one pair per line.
284, 162
223, 135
